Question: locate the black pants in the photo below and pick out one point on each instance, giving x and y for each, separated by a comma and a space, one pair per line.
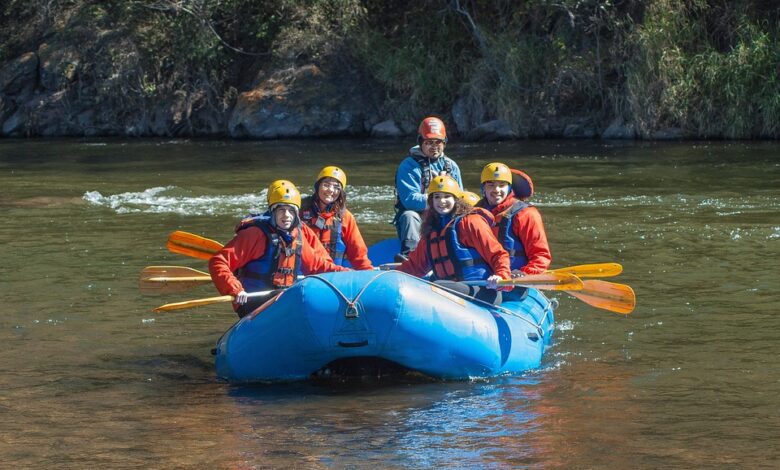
254, 302
490, 296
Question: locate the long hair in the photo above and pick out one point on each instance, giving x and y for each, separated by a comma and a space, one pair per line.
431, 217
338, 205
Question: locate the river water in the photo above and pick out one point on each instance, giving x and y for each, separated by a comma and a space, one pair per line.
90, 377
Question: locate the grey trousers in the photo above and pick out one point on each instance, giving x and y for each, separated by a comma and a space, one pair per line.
407, 224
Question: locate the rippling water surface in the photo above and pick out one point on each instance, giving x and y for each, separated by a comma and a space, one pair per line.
91, 377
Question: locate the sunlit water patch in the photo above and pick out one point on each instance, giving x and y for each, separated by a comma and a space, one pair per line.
687, 203
175, 200
369, 194
170, 199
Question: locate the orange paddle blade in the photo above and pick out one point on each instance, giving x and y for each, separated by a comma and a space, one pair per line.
592, 270
618, 298
189, 244
546, 281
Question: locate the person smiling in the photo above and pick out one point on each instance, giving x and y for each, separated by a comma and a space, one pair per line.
326, 213
518, 224
425, 161
269, 251
457, 244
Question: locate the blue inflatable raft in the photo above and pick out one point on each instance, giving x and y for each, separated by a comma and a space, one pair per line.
388, 316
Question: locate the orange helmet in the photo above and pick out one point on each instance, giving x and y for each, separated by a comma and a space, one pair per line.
432, 128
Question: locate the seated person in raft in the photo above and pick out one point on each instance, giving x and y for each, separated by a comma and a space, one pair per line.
518, 223
269, 252
457, 244
326, 213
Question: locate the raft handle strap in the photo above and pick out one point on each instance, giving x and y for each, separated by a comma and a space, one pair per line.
352, 310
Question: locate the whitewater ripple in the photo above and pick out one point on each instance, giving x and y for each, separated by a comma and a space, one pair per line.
172, 200
175, 200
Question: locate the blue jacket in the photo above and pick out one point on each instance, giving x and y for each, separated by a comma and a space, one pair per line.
410, 180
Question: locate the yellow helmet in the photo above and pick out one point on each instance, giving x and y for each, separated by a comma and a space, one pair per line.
471, 198
283, 192
496, 172
444, 184
335, 173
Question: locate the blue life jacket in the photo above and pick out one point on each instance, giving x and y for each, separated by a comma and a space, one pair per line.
507, 238
280, 265
453, 260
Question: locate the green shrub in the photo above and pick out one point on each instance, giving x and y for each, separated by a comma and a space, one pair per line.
683, 77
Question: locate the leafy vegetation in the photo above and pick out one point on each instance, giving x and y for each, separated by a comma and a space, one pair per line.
708, 67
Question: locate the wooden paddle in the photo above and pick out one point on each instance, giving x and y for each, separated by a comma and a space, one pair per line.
545, 281
618, 298
189, 244
165, 279
591, 270
206, 301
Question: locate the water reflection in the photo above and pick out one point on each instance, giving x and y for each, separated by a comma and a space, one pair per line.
419, 425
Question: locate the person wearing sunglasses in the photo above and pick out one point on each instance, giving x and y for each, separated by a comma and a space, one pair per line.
425, 161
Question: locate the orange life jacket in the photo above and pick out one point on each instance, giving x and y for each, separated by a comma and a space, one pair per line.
453, 260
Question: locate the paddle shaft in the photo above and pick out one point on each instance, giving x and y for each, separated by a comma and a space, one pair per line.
605, 296
189, 244
170, 271
591, 270
206, 301
165, 279
611, 296
544, 281
169, 279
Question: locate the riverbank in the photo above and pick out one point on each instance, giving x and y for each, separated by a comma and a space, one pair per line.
655, 70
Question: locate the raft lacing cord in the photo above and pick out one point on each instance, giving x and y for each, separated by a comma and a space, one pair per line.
497, 308
351, 304
351, 309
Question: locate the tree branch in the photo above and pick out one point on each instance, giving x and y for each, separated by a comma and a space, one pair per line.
179, 6
487, 53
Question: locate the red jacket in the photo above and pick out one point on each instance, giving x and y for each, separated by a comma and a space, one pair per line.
474, 232
249, 244
527, 226
356, 251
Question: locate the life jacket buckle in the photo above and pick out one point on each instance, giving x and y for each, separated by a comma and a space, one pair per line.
320, 223
352, 311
